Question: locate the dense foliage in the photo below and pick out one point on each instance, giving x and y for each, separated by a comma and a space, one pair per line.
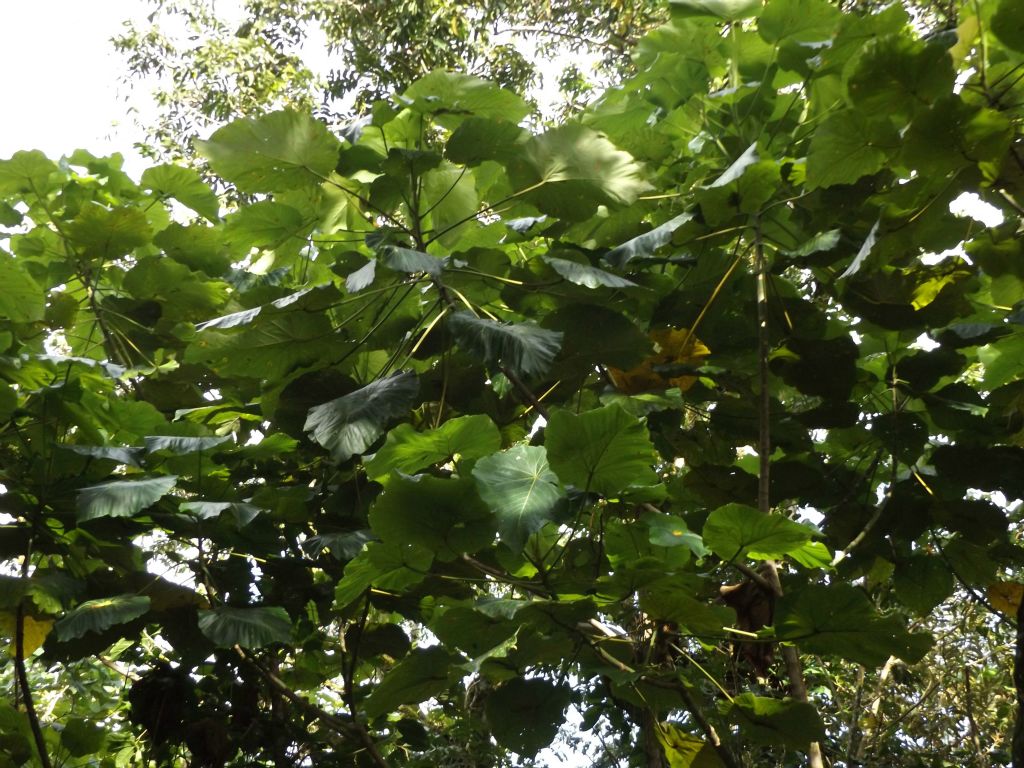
695, 422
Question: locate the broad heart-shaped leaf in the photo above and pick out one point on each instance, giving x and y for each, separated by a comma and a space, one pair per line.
801, 21
108, 233
33, 632
423, 673
122, 498
726, 10
98, 615
351, 423
185, 186
21, 298
521, 489
181, 446
736, 530
647, 243
273, 153
117, 454
444, 515
683, 750
604, 451
587, 275
442, 93
839, 620
26, 172
247, 627
922, 582
526, 349
525, 714
571, 170
848, 145
775, 721
409, 451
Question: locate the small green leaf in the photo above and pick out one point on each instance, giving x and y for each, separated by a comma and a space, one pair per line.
1008, 24
736, 530
525, 714
185, 186
671, 531
348, 425
521, 489
603, 451
122, 498
525, 348
247, 627
273, 153
425, 672
100, 614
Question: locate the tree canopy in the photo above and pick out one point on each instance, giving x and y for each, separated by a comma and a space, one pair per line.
683, 433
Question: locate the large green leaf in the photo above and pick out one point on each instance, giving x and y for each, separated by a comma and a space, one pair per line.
276, 152
1007, 24
802, 21
683, 750
736, 530
21, 298
521, 489
647, 243
848, 145
351, 423
185, 186
839, 620
525, 714
408, 450
587, 275
605, 451
26, 172
775, 721
725, 10
107, 233
922, 582
526, 349
247, 627
100, 614
444, 515
410, 261
458, 94
384, 565
423, 673
180, 445
122, 498
571, 170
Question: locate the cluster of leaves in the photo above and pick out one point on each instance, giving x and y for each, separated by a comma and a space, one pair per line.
205, 68
340, 477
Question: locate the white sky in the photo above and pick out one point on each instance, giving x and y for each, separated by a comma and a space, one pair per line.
62, 76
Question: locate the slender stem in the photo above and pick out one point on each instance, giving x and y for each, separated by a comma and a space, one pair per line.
22, 674
794, 670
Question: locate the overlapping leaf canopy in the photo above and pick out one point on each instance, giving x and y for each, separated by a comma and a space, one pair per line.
353, 446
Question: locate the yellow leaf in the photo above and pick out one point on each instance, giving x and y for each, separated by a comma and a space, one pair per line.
684, 750
35, 632
672, 346
1005, 596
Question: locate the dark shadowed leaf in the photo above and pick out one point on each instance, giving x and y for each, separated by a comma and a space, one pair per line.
421, 674
525, 714
350, 424
526, 349
247, 627
122, 498
98, 615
